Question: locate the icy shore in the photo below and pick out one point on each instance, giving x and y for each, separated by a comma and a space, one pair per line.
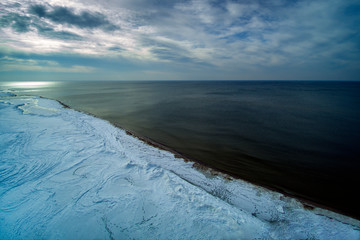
68, 175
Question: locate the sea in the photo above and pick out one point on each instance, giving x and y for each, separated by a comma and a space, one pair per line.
301, 138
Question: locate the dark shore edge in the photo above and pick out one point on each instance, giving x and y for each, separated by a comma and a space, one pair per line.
307, 204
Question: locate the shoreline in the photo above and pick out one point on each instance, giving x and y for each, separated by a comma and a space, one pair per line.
102, 174
272, 207
307, 204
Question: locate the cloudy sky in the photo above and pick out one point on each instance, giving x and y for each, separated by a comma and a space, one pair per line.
179, 39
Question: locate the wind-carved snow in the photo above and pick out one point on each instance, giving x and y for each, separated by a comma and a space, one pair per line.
68, 175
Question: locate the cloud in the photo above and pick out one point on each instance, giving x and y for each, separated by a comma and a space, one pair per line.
23, 24
17, 22
116, 49
167, 50
51, 33
233, 38
65, 15
31, 65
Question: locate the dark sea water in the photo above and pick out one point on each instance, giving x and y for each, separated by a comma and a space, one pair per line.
302, 138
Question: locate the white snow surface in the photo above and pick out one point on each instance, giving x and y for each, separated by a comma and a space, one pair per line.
68, 175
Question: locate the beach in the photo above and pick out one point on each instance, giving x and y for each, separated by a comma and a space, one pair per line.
65, 172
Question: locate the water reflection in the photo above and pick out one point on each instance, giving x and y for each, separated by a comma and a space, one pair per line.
27, 85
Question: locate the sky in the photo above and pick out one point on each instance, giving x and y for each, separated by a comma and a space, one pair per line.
179, 40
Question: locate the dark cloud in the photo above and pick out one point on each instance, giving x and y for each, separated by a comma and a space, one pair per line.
22, 24
171, 52
49, 32
17, 22
116, 49
166, 50
38, 10
66, 15
352, 10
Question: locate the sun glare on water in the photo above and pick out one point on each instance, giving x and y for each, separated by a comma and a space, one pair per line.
29, 84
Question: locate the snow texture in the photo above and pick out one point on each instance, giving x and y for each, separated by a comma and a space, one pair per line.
68, 175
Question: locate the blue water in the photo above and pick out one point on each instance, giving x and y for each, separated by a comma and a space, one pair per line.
297, 137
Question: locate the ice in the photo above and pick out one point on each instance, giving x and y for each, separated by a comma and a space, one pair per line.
68, 175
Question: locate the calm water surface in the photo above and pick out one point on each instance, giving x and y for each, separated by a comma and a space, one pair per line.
299, 137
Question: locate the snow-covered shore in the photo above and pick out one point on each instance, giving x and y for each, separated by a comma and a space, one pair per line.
68, 175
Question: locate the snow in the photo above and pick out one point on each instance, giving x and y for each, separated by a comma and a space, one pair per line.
68, 175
